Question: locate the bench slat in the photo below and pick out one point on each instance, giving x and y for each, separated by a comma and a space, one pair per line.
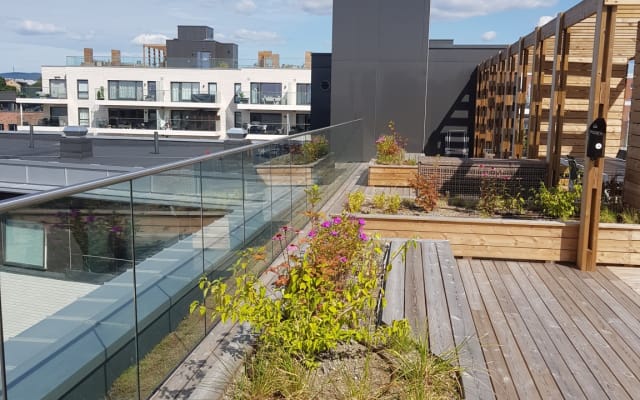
394, 286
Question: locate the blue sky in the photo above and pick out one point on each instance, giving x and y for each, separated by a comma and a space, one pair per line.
44, 32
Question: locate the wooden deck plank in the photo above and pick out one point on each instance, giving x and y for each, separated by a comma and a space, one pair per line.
629, 275
394, 285
621, 285
556, 365
567, 351
475, 378
520, 374
568, 314
415, 301
542, 377
497, 368
440, 332
621, 338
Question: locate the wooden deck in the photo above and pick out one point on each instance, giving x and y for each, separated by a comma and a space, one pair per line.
523, 330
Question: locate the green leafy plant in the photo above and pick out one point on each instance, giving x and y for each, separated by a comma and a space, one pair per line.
607, 215
390, 147
355, 200
557, 202
426, 191
310, 151
379, 200
393, 203
630, 216
321, 297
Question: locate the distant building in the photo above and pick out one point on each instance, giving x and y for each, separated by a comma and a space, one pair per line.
267, 59
196, 48
11, 116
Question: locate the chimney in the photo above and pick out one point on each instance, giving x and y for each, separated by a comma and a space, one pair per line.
115, 57
307, 59
88, 56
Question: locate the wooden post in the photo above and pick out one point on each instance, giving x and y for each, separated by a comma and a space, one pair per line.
632, 187
598, 107
522, 95
535, 109
515, 99
557, 100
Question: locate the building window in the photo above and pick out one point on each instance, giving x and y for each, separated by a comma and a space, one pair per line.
237, 90
303, 122
83, 116
151, 91
184, 91
303, 94
193, 120
58, 88
125, 90
237, 119
213, 90
23, 243
266, 93
1, 127
83, 89
13, 127
269, 123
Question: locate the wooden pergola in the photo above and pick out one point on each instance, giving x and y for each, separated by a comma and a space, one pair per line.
536, 98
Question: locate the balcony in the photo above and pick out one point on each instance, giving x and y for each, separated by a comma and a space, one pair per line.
277, 101
176, 62
41, 95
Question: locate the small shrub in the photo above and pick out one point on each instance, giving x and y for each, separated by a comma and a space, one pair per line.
355, 200
390, 147
608, 216
515, 204
393, 204
557, 202
630, 216
426, 191
310, 151
379, 200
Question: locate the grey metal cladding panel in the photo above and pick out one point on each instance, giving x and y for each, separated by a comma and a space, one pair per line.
13, 173
406, 40
344, 29
46, 176
401, 98
353, 91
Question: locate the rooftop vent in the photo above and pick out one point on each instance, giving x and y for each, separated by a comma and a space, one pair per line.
74, 143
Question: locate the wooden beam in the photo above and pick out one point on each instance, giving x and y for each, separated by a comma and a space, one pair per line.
631, 188
598, 107
535, 109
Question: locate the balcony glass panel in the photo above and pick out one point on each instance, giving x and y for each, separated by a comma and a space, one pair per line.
125, 90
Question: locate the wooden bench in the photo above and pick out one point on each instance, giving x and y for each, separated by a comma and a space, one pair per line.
425, 287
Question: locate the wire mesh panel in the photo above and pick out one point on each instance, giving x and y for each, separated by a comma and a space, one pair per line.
457, 177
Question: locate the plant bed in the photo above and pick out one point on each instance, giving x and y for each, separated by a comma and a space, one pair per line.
278, 172
391, 175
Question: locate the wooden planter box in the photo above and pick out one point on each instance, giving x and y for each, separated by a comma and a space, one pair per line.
512, 239
391, 175
298, 175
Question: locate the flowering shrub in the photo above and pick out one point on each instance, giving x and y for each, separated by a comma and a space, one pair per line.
426, 191
310, 151
557, 202
390, 148
495, 197
325, 292
355, 200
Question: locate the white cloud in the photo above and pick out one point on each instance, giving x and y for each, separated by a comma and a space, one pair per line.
246, 35
457, 9
317, 7
488, 36
245, 6
149, 38
29, 27
544, 20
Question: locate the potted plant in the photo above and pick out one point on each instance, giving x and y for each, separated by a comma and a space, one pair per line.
390, 167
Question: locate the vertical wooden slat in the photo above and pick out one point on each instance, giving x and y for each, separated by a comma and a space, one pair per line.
535, 110
598, 107
632, 186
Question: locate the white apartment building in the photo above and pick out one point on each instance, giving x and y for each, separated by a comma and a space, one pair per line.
135, 99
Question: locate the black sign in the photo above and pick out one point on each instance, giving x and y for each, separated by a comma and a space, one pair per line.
596, 137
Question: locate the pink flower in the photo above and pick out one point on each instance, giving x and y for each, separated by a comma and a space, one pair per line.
343, 259
361, 221
363, 236
278, 236
337, 220
292, 247
326, 224
334, 233
312, 234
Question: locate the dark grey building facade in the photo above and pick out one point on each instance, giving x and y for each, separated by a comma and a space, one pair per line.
384, 69
320, 90
379, 71
451, 91
196, 48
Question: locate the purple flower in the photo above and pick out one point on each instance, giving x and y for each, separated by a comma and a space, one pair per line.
380, 140
343, 259
116, 229
326, 224
312, 234
334, 233
74, 212
90, 219
361, 221
337, 220
363, 236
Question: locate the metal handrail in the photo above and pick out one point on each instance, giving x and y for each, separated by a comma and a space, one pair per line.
54, 194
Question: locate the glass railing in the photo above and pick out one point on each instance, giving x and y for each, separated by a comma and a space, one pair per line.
267, 128
97, 278
273, 98
183, 62
102, 93
43, 93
